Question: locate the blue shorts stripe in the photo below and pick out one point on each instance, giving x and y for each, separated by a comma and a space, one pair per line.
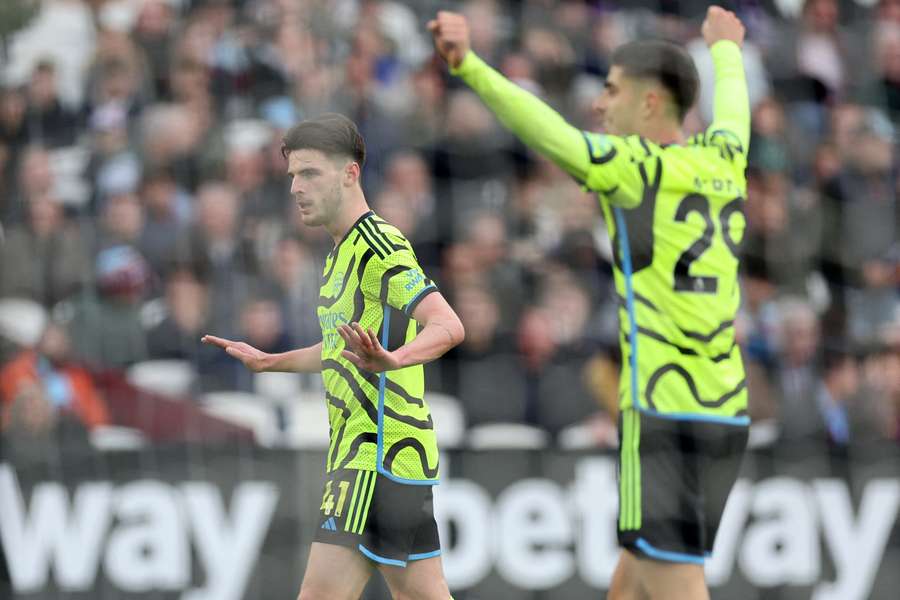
667, 556
424, 555
380, 559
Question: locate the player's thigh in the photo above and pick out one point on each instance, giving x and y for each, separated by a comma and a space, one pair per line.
625, 584
418, 580
334, 573
671, 581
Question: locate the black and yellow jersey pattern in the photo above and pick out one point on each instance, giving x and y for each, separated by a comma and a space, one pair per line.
676, 265
378, 421
675, 214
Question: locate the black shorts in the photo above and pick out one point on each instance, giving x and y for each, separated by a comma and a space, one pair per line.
390, 523
674, 479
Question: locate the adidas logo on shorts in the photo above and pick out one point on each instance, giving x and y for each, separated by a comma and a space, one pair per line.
329, 524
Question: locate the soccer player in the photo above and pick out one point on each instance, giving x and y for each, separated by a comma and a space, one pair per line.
377, 506
673, 207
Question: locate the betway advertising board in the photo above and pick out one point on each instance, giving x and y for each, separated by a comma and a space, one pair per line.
203, 523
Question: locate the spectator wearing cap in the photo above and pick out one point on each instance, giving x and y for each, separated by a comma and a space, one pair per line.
105, 326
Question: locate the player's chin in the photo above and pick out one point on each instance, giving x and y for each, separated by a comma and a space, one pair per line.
310, 219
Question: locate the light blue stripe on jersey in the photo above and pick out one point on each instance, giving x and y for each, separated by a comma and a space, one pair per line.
379, 452
625, 249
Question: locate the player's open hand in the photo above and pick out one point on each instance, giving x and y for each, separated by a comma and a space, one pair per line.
451, 36
721, 24
254, 359
363, 349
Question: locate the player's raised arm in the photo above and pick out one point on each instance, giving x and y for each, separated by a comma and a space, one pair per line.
532, 120
724, 34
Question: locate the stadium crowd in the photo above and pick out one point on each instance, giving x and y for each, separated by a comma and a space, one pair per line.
144, 201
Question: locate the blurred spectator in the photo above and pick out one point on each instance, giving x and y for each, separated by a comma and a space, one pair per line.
487, 355
167, 213
555, 347
45, 396
13, 139
837, 391
407, 201
50, 122
784, 229
483, 259
45, 258
185, 320
260, 324
863, 225
798, 369
33, 178
154, 32
885, 89
881, 382
215, 249
295, 275
105, 324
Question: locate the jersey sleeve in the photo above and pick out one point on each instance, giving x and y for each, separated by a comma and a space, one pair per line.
598, 162
397, 281
730, 129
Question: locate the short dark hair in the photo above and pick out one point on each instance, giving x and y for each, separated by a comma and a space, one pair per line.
331, 134
664, 62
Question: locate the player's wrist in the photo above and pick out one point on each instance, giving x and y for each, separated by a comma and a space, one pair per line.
465, 63
267, 362
397, 359
727, 42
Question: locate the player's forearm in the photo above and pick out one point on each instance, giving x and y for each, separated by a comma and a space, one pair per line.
533, 121
436, 338
731, 107
302, 360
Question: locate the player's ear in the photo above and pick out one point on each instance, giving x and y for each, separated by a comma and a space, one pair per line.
351, 173
651, 103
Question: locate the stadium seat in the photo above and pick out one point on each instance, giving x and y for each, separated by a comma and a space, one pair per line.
22, 321
248, 410
500, 436
111, 438
449, 419
167, 377
576, 437
277, 386
307, 423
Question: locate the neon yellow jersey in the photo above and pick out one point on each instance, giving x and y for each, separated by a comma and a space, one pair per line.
675, 214
378, 421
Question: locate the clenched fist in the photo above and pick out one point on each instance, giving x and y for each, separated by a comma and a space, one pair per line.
721, 24
451, 36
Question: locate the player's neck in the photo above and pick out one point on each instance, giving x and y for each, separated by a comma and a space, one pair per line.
355, 207
663, 133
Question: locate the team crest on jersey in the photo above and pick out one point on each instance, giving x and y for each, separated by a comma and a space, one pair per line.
337, 283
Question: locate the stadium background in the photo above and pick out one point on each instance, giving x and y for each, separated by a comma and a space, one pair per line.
143, 202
